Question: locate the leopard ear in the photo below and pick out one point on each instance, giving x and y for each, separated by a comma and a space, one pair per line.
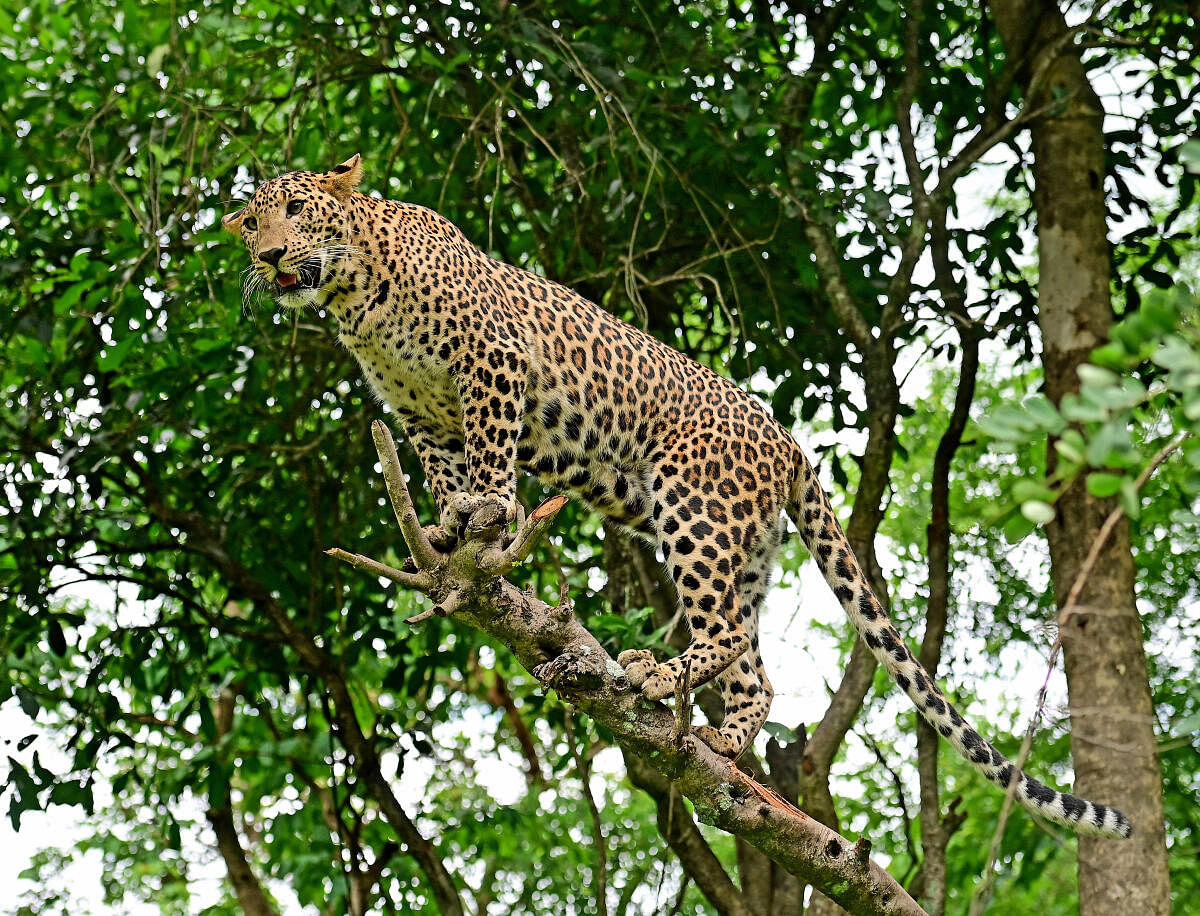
232, 222
341, 180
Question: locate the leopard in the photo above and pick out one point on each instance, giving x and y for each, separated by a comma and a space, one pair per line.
491, 368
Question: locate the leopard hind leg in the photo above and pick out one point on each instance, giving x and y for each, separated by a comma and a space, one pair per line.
706, 568
745, 688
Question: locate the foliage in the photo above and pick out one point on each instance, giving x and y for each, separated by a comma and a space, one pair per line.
1145, 380
658, 159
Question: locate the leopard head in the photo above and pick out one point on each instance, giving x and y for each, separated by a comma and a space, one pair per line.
294, 227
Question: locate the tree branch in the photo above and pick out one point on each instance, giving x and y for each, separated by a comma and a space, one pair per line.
552, 644
250, 895
598, 840
249, 892
361, 747
934, 836
678, 828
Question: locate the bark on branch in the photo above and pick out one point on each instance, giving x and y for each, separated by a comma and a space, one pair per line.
557, 649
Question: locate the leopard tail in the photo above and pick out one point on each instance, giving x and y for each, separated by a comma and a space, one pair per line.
810, 509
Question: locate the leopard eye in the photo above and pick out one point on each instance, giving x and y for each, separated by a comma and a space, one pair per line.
294, 207
250, 223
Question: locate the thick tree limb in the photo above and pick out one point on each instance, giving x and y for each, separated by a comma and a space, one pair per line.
1115, 756
553, 644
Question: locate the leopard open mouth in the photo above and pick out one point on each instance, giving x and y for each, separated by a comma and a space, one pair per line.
308, 276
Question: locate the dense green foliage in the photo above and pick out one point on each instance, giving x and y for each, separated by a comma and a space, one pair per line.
658, 159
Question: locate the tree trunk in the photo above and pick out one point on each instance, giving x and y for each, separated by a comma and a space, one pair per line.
1112, 727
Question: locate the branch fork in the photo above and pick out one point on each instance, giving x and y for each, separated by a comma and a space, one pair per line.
448, 578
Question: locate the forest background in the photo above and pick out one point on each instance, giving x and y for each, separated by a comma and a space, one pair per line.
882, 218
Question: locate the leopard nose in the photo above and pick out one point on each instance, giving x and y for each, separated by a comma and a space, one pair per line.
272, 255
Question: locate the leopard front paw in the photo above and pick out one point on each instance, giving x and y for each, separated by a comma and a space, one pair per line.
638, 665
645, 674
470, 514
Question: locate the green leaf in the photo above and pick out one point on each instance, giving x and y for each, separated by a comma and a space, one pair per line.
29, 702
1038, 511
1185, 726
781, 733
1081, 408
1111, 356
79, 261
1191, 405
154, 60
1103, 485
1189, 156
1069, 450
25, 794
47, 778
56, 638
72, 793
1009, 423
1109, 444
18, 806
113, 356
20, 778
1026, 490
69, 297
208, 725
1095, 376
1177, 355
1045, 414
1017, 527
1130, 501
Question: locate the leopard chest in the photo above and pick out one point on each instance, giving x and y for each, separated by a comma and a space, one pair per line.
408, 375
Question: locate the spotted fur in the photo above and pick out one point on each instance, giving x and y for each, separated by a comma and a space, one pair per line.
491, 368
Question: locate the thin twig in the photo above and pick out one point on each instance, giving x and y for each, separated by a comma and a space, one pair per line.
901, 799
419, 581
683, 702
1102, 536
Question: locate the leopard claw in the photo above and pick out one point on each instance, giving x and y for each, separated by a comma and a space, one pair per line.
440, 537
639, 664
